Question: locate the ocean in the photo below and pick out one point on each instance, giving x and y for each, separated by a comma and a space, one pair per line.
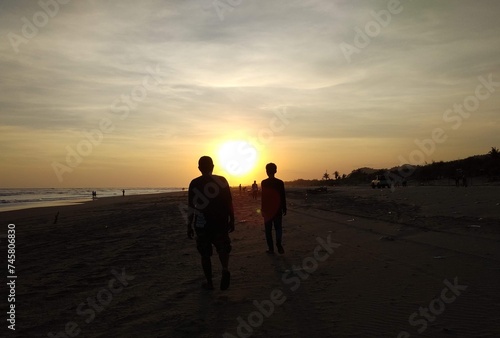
15, 199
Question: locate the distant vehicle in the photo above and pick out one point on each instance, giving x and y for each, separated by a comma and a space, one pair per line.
381, 181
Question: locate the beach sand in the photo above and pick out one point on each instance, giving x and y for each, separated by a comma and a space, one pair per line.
414, 262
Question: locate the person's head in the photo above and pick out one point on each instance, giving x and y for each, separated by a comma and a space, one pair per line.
271, 169
206, 165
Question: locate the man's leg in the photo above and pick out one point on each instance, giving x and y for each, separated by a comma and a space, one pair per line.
206, 263
223, 246
269, 235
224, 260
278, 227
204, 246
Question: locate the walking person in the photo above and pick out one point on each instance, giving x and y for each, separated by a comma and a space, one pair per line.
255, 190
211, 213
273, 208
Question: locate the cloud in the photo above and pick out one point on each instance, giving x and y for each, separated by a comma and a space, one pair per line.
219, 77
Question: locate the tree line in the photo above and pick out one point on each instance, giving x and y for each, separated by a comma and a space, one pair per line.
487, 166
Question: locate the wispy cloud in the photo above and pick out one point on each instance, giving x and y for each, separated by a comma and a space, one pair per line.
217, 76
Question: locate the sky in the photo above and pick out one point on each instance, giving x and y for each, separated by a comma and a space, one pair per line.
131, 94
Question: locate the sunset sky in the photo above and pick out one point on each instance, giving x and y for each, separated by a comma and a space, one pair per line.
131, 93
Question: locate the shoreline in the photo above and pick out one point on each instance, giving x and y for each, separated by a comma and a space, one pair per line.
72, 202
48, 204
27, 198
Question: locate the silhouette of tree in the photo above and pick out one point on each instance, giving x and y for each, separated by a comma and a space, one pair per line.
484, 165
326, 176
493, 164
494, 152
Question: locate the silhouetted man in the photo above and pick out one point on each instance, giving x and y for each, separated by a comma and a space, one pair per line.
211, 213
273, 207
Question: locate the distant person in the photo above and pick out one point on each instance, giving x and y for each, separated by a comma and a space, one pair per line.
240, 188
255, 190
123, 192
273, 208
211, 213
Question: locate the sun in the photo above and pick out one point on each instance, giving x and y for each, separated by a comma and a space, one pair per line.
237, 157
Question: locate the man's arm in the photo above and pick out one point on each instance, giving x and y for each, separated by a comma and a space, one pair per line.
231, 220
263, 196
230, 208
189, 229
283, 198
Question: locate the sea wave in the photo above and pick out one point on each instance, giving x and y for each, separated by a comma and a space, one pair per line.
27, 197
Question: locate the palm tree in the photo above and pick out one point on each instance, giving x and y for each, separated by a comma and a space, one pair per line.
326, 176
493, 152
337, 175
494, 163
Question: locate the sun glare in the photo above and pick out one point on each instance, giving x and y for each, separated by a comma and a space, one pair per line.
237, 157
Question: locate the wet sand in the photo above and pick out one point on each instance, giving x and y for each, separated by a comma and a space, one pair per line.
414, 262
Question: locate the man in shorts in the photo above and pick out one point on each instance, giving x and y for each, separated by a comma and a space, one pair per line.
212, 216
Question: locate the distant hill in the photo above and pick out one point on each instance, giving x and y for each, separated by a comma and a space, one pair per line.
367, 170
486, 166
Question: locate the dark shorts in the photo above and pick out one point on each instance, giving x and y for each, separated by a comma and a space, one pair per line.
205, 240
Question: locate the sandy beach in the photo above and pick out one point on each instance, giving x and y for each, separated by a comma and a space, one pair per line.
359, 262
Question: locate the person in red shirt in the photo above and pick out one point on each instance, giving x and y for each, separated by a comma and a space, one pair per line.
273, 207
